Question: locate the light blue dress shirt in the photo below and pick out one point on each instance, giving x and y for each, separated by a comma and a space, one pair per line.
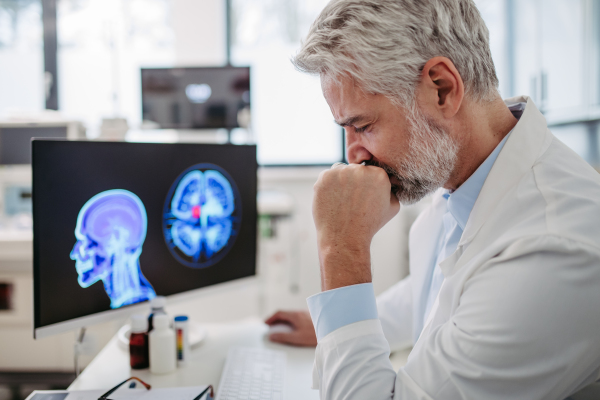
333, 309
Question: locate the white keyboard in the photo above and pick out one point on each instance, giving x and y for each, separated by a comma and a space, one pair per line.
252, 374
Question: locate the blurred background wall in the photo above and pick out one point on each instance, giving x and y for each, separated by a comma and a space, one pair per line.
546, 49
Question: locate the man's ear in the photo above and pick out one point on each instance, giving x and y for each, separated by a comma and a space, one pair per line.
441, 90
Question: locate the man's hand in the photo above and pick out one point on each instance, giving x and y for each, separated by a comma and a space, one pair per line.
304, 331
351, 203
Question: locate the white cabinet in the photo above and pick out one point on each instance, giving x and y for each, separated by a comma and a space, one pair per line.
556, 56
18, 350
563, 56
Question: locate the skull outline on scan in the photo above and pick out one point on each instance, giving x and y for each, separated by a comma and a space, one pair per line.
110, 231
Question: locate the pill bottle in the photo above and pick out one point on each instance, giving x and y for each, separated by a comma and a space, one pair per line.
182, 334
163, 358
157, 306
138, 343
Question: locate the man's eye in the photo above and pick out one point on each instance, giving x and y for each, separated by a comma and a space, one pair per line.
361, 129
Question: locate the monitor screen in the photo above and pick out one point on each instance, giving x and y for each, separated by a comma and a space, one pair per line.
116, 224
15, 142
196, 98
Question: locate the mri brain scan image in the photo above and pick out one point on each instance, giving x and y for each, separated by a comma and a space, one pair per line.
110, 231
202, 216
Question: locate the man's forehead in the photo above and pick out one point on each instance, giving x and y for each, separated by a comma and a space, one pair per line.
339, 86
344, 97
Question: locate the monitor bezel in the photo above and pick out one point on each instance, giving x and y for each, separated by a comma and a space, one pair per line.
140, 308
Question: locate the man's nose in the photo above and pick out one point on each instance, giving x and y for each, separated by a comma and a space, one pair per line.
357, 153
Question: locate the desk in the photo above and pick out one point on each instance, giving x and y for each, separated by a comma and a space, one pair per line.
111, 365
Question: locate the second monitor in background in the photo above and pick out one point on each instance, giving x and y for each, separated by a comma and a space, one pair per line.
196, 98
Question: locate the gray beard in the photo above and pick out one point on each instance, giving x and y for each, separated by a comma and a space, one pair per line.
427, 164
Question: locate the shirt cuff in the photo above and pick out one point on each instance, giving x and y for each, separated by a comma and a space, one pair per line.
343, 306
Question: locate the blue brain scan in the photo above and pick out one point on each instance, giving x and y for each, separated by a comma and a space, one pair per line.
202, 216
111, 229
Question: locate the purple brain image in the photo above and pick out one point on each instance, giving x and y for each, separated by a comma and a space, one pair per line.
110, 231
200, 216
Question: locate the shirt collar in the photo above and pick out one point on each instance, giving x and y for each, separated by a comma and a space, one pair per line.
462, 200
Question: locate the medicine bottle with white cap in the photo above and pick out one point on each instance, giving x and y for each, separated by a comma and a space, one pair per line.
163, 358
157, 306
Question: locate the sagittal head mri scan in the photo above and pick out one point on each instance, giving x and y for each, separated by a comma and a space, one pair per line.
111, 228
202, 216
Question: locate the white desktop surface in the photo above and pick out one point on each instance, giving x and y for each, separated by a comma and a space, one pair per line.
111, 365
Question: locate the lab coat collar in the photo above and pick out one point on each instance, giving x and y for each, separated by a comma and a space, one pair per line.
462, 200
522, 148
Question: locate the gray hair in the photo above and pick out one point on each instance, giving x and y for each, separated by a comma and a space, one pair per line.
384, 45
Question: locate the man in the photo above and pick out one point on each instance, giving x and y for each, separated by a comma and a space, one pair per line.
503, 297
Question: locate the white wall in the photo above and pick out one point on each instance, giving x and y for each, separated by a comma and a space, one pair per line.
200, 35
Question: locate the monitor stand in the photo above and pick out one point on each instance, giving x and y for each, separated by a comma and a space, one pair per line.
77, 350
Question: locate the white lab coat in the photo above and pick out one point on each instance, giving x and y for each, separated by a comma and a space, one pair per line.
518, 314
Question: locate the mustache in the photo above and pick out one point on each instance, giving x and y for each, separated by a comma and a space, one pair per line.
405, 186
389, 170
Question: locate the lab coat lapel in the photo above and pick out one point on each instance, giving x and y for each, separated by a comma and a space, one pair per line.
440, 311
423, 243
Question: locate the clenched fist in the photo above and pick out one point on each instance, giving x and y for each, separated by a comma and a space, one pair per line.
351, 203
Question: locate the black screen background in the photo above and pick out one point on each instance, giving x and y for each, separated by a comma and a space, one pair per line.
67, 174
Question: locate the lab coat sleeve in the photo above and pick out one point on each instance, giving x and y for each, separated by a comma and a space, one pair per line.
525, 327
333, 309
395, 309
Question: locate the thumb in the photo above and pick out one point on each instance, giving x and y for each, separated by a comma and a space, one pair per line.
280, 337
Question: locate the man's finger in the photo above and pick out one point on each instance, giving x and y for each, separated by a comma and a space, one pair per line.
285, 338
338, 165
281, 316
292, 338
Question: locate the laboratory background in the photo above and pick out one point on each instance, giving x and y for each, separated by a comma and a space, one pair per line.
80, 65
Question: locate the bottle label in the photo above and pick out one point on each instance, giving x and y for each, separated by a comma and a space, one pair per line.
180, 344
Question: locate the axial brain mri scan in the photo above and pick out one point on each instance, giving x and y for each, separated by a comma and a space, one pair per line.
111, 228
202, 216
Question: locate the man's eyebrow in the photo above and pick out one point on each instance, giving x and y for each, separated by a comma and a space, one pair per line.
351, 120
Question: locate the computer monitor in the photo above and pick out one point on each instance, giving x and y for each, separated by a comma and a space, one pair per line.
116, 224
15, 137
196, 98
